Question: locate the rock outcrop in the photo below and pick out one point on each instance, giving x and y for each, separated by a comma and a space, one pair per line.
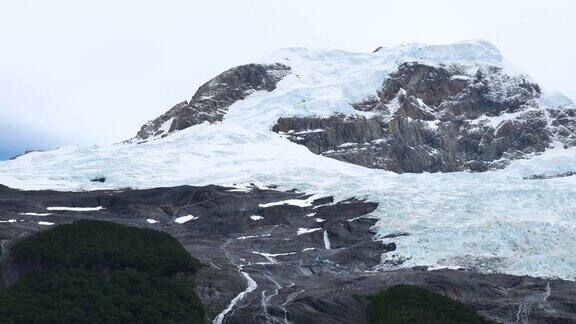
210, 102
295, 258
440, 118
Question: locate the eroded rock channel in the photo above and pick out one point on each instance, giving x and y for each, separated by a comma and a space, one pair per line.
272, 256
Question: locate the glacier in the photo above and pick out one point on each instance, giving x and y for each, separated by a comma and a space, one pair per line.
494, 221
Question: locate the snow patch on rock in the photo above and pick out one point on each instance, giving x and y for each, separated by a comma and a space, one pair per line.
306, 230
184, 219
76, 209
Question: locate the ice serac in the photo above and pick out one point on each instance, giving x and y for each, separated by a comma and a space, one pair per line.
446, 118
210, 102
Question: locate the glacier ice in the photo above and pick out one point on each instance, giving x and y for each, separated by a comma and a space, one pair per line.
492, 221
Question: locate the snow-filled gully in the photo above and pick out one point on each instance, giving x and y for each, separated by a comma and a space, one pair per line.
2, 249
266, 300
270, 288
326, 240
526, 307
251, 287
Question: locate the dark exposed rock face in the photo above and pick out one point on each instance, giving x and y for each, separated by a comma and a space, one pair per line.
322, 134
551, 176
210, 102
501, 298
317, 276
438, 118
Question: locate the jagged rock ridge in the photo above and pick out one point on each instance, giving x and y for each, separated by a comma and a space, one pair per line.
439, 118
210, 102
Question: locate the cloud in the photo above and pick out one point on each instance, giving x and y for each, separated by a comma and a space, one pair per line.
16, 138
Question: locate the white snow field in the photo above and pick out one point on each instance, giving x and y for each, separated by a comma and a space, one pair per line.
492, 221
76, 209
184, 219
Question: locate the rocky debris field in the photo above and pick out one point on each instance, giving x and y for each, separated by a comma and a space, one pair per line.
279, 256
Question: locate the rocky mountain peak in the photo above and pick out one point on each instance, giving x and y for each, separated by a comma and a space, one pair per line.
409, 109
428, 117
213, 98
440, 108
451, 90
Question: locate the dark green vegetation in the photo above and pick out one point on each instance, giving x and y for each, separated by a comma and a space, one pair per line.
96, 245
100, 272
410, 304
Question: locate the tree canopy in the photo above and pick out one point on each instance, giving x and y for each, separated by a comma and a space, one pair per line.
101, 272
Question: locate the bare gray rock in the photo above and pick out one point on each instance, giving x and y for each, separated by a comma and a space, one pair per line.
310, 264
440, 119
210, 102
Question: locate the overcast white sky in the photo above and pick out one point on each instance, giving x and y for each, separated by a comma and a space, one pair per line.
92, 72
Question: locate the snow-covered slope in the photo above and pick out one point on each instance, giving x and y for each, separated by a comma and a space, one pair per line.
492, 221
